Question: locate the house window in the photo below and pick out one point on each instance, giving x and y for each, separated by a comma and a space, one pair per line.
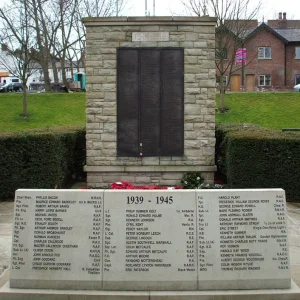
265, 80
150, 106
221, 53
264, 53
297, 52
225, 80
297, 79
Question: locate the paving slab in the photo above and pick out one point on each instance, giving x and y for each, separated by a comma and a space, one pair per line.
6, 227
293, 218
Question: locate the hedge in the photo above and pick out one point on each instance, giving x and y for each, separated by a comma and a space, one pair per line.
222, 130
41, 159
261, 158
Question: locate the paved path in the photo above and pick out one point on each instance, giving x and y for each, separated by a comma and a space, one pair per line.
6, 226
293, 210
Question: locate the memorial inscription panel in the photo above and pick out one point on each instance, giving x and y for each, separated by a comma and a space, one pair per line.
57, 239
242, 239
150, 36
150, 240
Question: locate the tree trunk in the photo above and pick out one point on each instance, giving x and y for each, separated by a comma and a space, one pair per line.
222, 94
55, 73
25, 112
72, 71
47, 79
222, 100
63, 71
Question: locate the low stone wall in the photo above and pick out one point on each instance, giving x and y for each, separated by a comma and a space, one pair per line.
104, 177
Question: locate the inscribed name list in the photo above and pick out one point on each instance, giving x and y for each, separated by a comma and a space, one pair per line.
242, 239
150, 240
57, 239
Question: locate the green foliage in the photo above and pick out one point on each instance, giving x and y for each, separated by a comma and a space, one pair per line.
261, 158
222, 129
191, 180
270, 110
41, 159
46, 110
212, 186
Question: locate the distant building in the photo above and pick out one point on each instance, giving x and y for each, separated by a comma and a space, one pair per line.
269, 57
37, 77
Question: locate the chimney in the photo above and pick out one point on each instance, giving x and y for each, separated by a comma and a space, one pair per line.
284, 16
280, 16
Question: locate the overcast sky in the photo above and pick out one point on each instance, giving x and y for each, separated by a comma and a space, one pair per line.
270, 8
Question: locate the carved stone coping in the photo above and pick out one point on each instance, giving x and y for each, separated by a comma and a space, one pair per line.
149, 168
131, 21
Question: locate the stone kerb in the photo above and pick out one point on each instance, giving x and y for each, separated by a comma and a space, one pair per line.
104, 36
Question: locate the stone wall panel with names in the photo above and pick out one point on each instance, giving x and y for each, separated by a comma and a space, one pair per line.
150, 240
242, 239
57, 239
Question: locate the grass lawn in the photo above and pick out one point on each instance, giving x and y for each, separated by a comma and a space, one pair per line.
45, 109
269, 110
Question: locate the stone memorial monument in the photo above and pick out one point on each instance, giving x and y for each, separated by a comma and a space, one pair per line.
200, 241
150, 99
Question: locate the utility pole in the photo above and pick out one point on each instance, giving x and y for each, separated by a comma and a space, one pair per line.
153, 8
117, 7
146, 9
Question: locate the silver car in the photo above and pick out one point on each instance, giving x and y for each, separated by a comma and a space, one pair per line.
297, 88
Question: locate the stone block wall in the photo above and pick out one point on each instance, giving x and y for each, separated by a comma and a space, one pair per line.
104, 36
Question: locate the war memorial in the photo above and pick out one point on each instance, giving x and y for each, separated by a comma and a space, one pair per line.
150, 118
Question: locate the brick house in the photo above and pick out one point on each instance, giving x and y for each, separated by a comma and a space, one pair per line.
272, 57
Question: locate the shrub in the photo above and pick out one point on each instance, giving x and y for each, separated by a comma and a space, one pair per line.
41, 159
261, 158
192, 180
222, 129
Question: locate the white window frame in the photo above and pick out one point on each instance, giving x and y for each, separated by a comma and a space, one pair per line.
297, 52
264, 80
262, 52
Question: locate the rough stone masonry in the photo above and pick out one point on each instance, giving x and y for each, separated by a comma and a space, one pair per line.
197, 37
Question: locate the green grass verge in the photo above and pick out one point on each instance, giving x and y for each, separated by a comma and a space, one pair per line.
45, 109
269, 110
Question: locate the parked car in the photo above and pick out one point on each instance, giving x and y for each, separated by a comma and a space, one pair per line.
297, 88
11, 87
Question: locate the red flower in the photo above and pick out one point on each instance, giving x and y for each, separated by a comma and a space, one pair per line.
123, 185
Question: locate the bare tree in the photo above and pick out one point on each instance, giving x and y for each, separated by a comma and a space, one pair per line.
101, 8
41, 26
235, 20
196, 7
17, 45
93, 8
57, 28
